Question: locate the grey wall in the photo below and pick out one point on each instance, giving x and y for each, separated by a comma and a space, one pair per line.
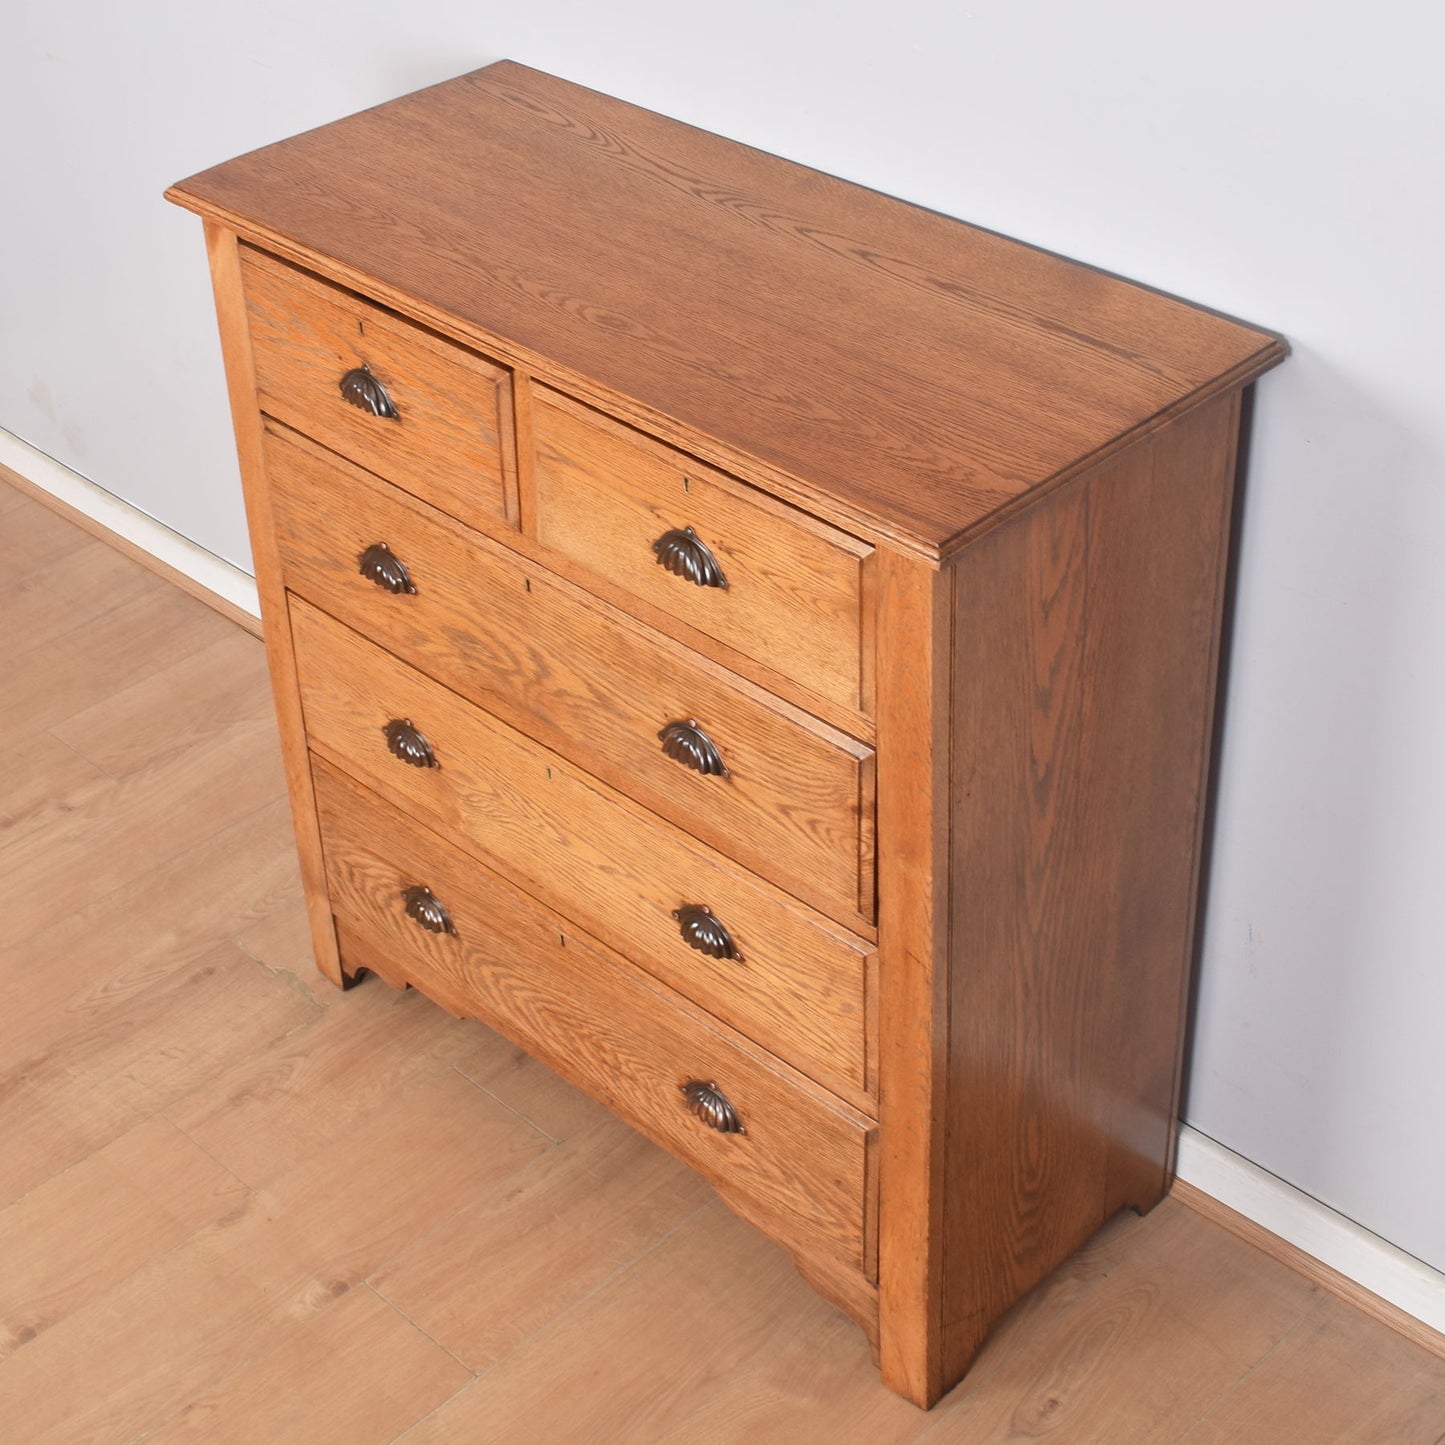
1278, 162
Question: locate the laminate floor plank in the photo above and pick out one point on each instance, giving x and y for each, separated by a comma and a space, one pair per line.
198, 697
357, 1372
531, 1088
1330, 1383
127, 1202
176, 1330
39, 774
96, 579
270, 1113
631, 1360
530, 1249
98, 656
11, 496
281, 942
1176, 1315
133, 1053
95, 839
76, 968
33, 536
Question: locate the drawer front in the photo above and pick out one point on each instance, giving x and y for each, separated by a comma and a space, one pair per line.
630, 508
450, 440
796, 801
800, 1169
801, 986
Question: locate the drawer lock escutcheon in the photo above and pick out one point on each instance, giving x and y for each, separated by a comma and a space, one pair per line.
425, 908
406, 741
685, 554
381, 565
702, 930
711, 1105
686, 743
366, 393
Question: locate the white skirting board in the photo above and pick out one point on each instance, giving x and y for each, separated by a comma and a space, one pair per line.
1247, 1189
1376, 1265
204, 568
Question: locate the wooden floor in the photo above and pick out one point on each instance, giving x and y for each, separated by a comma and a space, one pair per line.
242, 1206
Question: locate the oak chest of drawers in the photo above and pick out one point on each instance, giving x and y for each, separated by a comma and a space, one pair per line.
753, 643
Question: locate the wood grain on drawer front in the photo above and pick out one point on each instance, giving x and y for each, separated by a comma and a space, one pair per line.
451, 440
800, 1170
804, 986
796, 593
797, 804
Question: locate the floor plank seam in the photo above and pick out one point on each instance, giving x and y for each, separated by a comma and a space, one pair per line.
78, 752
15, 659
166, 863
400, 1313
515, 1112
581, 1299
283, 975
1316, 1292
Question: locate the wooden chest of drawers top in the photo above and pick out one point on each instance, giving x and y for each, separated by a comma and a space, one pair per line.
893, 371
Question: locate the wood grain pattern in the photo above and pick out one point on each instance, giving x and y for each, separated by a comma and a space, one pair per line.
1381, 1391
798, 1170
1082, 678
800, 988
789, 349
586, 680
356, 1372
534, 1248
914, 658
447, 442
794, 594
225, 258
136, 1197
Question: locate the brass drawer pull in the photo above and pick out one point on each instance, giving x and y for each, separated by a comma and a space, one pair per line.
381, 565
710, 1105
685, 554
406, 741
702, 930
366, 393
426, 908
686, 743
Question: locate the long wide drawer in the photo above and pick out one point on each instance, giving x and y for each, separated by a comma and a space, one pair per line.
799, 1167
778, 972
433, 416
795, 802
771, 582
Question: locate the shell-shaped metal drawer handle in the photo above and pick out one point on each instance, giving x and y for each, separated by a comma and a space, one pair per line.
686, 743
406, 741
711, 1105
381, 565
426, 908
702, 930
685, 554
366, 393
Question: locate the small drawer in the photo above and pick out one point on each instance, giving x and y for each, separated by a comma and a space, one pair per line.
430, 415
788, 978
773, 583
796, 800
800, 1168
